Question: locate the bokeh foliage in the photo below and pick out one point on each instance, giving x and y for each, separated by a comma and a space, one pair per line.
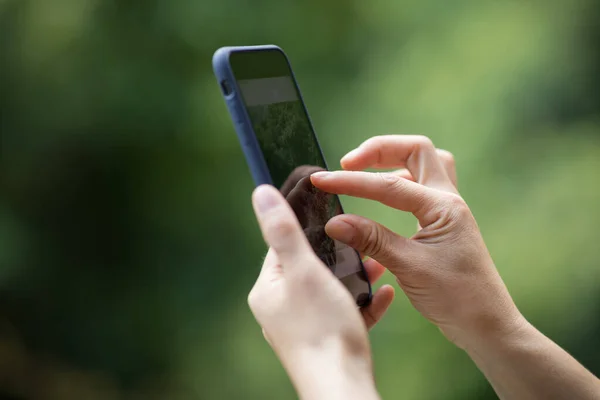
127, 241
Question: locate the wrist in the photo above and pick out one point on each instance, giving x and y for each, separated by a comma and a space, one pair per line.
330, 371
502, 341
491, 319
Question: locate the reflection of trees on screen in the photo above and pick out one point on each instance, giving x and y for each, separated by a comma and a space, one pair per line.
285, 137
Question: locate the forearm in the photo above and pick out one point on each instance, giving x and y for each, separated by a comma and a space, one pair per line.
525, 364
331, 373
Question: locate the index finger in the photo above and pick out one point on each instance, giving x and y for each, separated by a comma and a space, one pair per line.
414, 152
387, 188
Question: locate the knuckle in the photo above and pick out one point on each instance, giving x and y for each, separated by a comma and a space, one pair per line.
423, 142
372, 242
390, 181
393, 186
253, 298
457, 205
446, 156
279, 227
456, 201
309, 280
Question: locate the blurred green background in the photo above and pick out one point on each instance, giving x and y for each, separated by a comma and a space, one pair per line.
127, 240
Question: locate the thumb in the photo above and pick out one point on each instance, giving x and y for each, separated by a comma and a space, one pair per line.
370, 238
281, 230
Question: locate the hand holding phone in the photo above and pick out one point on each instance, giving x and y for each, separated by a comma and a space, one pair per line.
282, 149
308, 317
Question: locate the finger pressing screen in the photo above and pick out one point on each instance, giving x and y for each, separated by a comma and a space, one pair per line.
387, 188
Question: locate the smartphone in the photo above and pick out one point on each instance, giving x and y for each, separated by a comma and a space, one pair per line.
282, 149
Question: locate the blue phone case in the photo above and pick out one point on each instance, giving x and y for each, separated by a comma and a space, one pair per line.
241, 119
237, 109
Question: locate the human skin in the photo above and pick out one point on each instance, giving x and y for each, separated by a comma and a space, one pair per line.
446, 270
307, 315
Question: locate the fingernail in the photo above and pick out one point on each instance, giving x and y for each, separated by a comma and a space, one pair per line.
340, 230
320, 175
265, 198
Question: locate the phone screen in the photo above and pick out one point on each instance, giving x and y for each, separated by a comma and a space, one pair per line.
292, 153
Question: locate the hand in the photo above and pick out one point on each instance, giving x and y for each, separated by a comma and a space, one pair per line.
445, 268
309, 317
